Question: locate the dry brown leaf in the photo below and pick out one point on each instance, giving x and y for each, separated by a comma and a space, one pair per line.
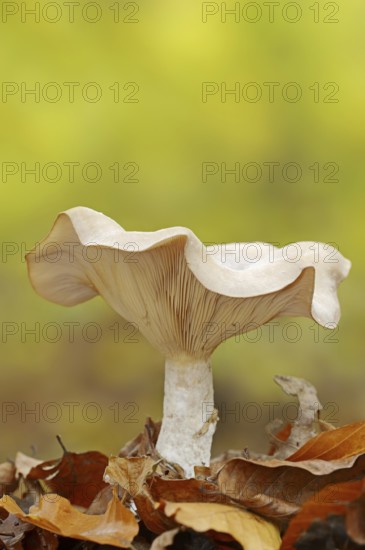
76, 476
13, 531
335, 444
202, 472
101, 501
333, 499
151, 514
129, 473
144, 444
184, 538
184, 490
251, 531
137, 476
164, 540
116, 527
278, 488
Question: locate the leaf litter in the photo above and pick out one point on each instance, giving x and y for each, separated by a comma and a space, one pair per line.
307, 492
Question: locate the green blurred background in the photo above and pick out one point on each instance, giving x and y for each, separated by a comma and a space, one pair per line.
167, 51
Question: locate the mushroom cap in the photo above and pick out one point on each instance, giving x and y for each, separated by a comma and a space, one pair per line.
184, 296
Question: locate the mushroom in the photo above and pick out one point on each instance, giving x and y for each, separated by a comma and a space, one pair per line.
186, 298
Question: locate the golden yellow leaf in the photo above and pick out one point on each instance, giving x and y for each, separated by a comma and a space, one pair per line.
251, 531
116, 527
336, 444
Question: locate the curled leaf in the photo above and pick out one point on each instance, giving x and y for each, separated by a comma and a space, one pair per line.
278, 488
116, 527
76, 476
164, 540
129, 473
251, 531
335, 444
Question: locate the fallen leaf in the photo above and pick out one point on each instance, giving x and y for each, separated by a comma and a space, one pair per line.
335, 444
332, 500
12, 531
116, 527
137, 476
101, 501
145, 443
184, 490
187, 539
218, 461
202, 472
164, 540
76, 476
278, 488
251, 531
129, 473
151, 514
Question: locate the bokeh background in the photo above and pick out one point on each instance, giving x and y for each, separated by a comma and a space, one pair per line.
164, 136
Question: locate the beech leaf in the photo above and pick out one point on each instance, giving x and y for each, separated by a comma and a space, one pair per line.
251, 531
129, 473
76, 476
335, 444
278, 488
164, 540
116, 527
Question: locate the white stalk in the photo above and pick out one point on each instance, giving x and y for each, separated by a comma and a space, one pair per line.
189, 417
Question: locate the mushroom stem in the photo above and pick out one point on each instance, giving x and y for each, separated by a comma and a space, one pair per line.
189, 417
